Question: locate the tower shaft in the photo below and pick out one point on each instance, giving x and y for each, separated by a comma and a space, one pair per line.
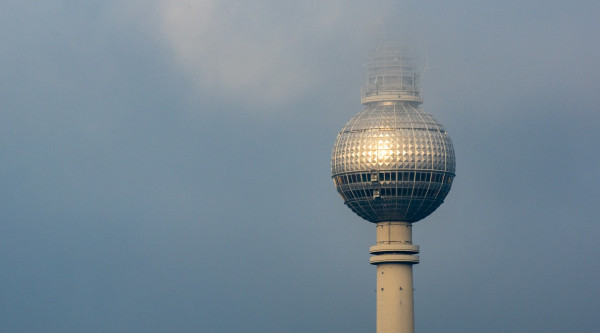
393, 164
394, 254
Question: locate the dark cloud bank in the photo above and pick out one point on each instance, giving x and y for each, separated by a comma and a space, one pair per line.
134, 200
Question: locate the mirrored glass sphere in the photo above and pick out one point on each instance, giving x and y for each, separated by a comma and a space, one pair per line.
393, 162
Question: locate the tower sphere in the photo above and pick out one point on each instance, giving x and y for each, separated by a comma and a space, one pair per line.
392, 161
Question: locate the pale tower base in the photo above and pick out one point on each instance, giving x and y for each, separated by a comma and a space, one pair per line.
394, 256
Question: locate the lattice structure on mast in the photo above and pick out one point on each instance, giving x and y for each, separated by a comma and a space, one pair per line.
392, 75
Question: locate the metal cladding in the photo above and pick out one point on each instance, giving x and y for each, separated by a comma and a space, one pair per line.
392, 161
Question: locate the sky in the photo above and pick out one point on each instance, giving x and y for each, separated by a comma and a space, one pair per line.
165, 165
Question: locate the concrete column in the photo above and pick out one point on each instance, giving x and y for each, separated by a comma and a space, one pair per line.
394, 256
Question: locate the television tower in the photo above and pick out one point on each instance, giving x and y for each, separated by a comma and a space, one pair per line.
393, 164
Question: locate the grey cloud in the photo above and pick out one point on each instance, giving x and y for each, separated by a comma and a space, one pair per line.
147, 189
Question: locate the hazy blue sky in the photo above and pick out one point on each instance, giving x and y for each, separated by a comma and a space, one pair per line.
166, 166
